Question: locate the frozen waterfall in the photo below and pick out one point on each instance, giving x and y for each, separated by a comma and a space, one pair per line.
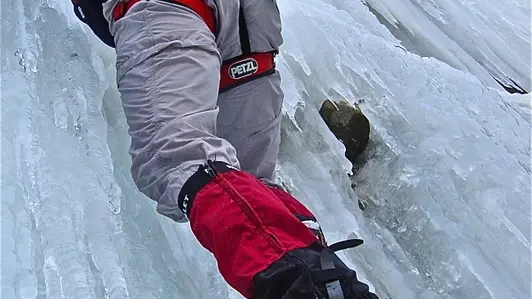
446, 179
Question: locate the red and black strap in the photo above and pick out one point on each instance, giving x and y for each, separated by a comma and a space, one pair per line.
245, 68
248, 66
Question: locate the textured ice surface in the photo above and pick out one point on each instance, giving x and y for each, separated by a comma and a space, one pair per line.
446, 182
488, 38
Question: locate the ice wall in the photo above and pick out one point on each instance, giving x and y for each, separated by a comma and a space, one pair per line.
489, 39
72, 223
447, 179
446, 182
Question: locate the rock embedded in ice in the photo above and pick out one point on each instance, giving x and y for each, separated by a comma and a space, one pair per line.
348, 124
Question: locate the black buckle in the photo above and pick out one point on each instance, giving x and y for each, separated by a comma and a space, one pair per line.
329, 274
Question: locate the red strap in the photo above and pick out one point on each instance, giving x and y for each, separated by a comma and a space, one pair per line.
121, 8
198, 6
245, 68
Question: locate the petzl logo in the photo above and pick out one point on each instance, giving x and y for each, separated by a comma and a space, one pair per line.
243, 68
184, 204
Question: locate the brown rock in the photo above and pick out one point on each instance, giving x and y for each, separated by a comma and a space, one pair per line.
348, 124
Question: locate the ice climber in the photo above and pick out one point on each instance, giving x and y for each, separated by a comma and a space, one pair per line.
202, 100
